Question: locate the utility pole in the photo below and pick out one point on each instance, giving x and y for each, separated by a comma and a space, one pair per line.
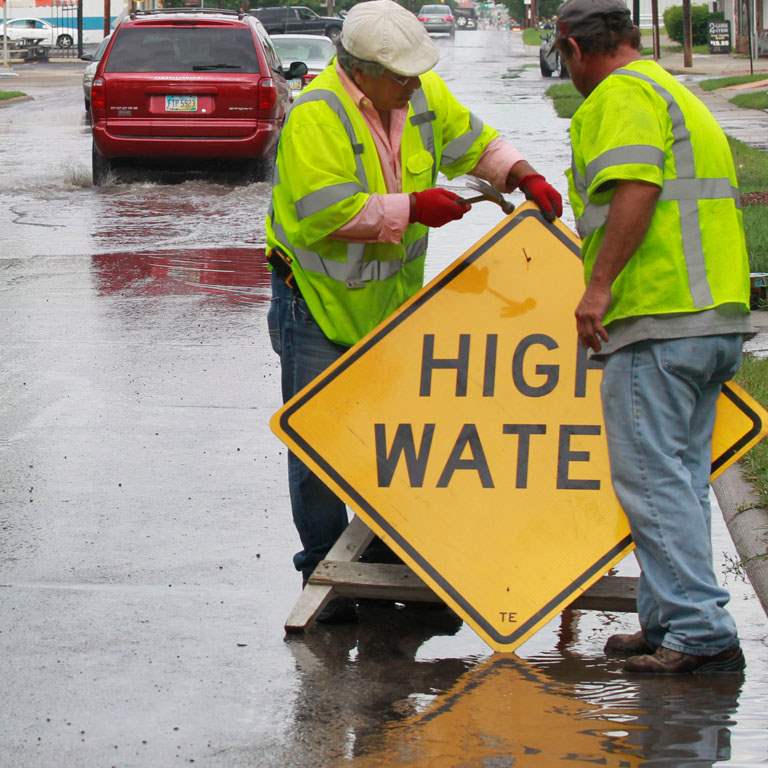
107, 14
687, 34
655, 25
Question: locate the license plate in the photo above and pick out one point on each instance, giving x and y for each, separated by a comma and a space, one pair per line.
181, 103
296, 85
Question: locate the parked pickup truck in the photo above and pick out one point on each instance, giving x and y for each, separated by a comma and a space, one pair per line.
284, 19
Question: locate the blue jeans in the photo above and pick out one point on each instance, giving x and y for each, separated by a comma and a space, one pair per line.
659, 406
319, 516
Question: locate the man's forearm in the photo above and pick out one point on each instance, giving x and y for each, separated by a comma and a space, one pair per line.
629, 217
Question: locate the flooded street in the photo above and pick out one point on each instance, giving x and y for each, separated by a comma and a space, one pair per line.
145, 531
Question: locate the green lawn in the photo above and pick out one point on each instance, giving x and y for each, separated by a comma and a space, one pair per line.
725, 82
753, 376
755, 100
566, 99
5, 95
532, 37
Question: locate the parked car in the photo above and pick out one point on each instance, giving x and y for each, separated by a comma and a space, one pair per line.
42, 32
90, 70
297, 19
437, 18
313, 50
550, 63
180, 86
466, 18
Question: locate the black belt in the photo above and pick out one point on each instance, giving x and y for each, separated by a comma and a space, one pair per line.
281, 264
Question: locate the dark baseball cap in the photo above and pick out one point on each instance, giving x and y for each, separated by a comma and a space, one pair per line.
579, 18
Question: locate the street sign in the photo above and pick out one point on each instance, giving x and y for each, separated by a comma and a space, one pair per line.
466, 431
719, 36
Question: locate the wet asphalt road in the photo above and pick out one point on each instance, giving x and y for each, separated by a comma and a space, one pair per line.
145, 537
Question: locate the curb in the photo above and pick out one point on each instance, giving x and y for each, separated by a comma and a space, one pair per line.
747, 523
15, 100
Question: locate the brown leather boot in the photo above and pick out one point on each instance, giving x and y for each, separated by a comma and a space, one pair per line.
628, 645
668, 662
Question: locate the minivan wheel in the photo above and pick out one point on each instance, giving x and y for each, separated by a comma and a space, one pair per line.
101, 167
64, 41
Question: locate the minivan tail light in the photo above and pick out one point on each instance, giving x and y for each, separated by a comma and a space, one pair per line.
267, 98
98, 99
308, 78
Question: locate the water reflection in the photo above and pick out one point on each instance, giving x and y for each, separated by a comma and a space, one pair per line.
237, 274
365, 700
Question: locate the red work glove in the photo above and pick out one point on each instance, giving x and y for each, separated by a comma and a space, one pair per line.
537, 188
437, 206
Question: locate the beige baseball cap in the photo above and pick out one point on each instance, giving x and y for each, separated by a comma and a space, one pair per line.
385, 32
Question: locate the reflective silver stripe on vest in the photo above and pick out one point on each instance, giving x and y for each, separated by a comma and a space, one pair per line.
456, 149
422, 118
699, 189
324, 198
641, 154
682, 151
333, 101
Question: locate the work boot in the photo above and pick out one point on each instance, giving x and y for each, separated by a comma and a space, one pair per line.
339, 610
668, 662
628, 645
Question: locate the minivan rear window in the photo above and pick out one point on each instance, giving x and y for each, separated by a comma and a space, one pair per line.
183, 49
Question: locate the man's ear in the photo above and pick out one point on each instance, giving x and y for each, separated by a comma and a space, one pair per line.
574, 49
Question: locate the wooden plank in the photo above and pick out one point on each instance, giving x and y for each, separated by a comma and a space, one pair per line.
611, 593
314, 597
397, 582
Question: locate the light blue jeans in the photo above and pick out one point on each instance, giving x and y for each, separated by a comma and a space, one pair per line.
659, 406
319, 515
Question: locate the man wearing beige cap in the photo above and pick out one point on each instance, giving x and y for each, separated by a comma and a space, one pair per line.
654, 192
353, 199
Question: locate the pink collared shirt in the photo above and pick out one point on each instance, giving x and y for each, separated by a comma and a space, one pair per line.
383, 218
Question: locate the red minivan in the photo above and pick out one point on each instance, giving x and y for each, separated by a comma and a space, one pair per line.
180, 86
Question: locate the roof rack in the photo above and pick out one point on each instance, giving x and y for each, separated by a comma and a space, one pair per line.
159, 11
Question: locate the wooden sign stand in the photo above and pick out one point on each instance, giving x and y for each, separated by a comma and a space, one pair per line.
341, 575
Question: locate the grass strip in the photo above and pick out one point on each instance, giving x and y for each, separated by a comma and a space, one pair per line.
753, 376
566, 99
757, 100
725, 82
532, 37
5, 95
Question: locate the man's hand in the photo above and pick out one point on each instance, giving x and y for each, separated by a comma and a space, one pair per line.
437, 206
537, 188
589, 316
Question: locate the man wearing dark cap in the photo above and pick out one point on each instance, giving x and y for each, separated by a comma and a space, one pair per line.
654, 191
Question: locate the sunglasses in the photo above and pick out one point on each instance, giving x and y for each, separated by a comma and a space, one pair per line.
401, 81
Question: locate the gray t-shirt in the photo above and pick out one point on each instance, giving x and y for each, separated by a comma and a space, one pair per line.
727, 318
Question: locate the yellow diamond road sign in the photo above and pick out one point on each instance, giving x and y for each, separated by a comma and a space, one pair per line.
466, 431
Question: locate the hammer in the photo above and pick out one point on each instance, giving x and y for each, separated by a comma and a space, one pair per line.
488, 192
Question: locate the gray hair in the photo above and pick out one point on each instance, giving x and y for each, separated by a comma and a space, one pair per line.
349, 63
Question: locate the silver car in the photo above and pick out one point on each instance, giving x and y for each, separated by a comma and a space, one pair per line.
90, 70
550, 62
314, 50
437, 18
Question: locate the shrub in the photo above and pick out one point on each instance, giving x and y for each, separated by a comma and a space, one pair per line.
700, 17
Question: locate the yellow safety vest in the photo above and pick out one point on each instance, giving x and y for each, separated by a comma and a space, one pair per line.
327, 166
640, 124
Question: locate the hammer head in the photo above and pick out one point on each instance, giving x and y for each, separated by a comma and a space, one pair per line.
491, 193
